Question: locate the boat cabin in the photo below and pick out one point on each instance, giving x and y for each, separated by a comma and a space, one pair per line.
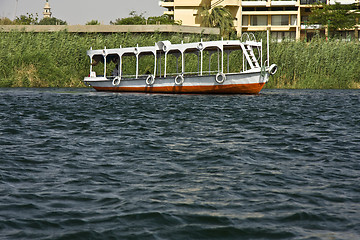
165, 59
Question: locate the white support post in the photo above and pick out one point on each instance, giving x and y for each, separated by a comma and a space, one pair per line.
165, 65
155, 64
201, 62
91, 66
159, 64
261, 53
268, 47
120, 67
182, 63
137, 66
104, 52
222, 60
155, 58
104, 65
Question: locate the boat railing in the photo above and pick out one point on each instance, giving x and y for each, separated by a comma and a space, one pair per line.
144, 76
127, 76
247, 37
251, 58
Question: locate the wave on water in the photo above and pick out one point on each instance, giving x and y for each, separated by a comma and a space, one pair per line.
78, 164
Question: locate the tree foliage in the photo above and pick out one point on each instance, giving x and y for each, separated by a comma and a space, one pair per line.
31, 19
139, 19
28, 19
217, 17
336, 16
134, 19
164, 19
51, 21
6, 21
93, 22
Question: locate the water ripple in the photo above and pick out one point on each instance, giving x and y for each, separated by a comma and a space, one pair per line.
77, 164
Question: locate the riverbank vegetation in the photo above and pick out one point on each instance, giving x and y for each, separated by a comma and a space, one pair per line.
139, 19
31, 19
59, 59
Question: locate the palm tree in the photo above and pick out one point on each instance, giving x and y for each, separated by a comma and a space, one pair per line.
217, 17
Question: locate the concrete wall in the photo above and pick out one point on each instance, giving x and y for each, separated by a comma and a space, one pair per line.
110, 28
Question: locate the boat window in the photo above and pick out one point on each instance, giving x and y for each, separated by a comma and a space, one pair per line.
236, 60
192, 66
211, 61
112, 65
98, 65
173, 64
128, 66
146, 65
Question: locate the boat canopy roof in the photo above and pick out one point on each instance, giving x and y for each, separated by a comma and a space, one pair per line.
166, 47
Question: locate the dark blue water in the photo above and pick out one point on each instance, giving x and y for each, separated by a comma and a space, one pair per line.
78, 164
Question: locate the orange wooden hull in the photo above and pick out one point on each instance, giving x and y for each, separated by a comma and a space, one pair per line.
252, 88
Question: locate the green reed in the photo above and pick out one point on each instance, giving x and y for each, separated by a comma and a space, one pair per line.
59, 59
318, 64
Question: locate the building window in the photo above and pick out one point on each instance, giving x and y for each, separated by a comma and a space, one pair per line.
293, 19
245, 20
281, 20
283, 35
258, 20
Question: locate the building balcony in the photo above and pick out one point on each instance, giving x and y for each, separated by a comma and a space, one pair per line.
224, 3
310, 2
230, 3
344, 2
269, 13
311, 27
180, 3
283, 3
166, 4
170, 13
254, 3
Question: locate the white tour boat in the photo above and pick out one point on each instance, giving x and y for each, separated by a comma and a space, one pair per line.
248, 79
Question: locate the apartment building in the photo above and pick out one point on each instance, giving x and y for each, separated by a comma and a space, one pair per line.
284, 19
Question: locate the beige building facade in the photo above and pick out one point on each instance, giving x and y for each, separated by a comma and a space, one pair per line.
284, 19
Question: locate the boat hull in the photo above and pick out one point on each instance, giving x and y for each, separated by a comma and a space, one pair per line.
240, 83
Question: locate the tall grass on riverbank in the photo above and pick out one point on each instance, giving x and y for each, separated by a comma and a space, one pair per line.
59, 59
318, 64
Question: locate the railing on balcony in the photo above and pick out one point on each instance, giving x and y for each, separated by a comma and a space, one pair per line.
217, 3
307, 2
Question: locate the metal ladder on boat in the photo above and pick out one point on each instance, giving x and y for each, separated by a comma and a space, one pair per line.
250, 51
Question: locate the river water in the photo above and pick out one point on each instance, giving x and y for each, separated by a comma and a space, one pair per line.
79, 164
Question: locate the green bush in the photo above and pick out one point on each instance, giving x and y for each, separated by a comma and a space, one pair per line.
136, 19
51, 21
317, 64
